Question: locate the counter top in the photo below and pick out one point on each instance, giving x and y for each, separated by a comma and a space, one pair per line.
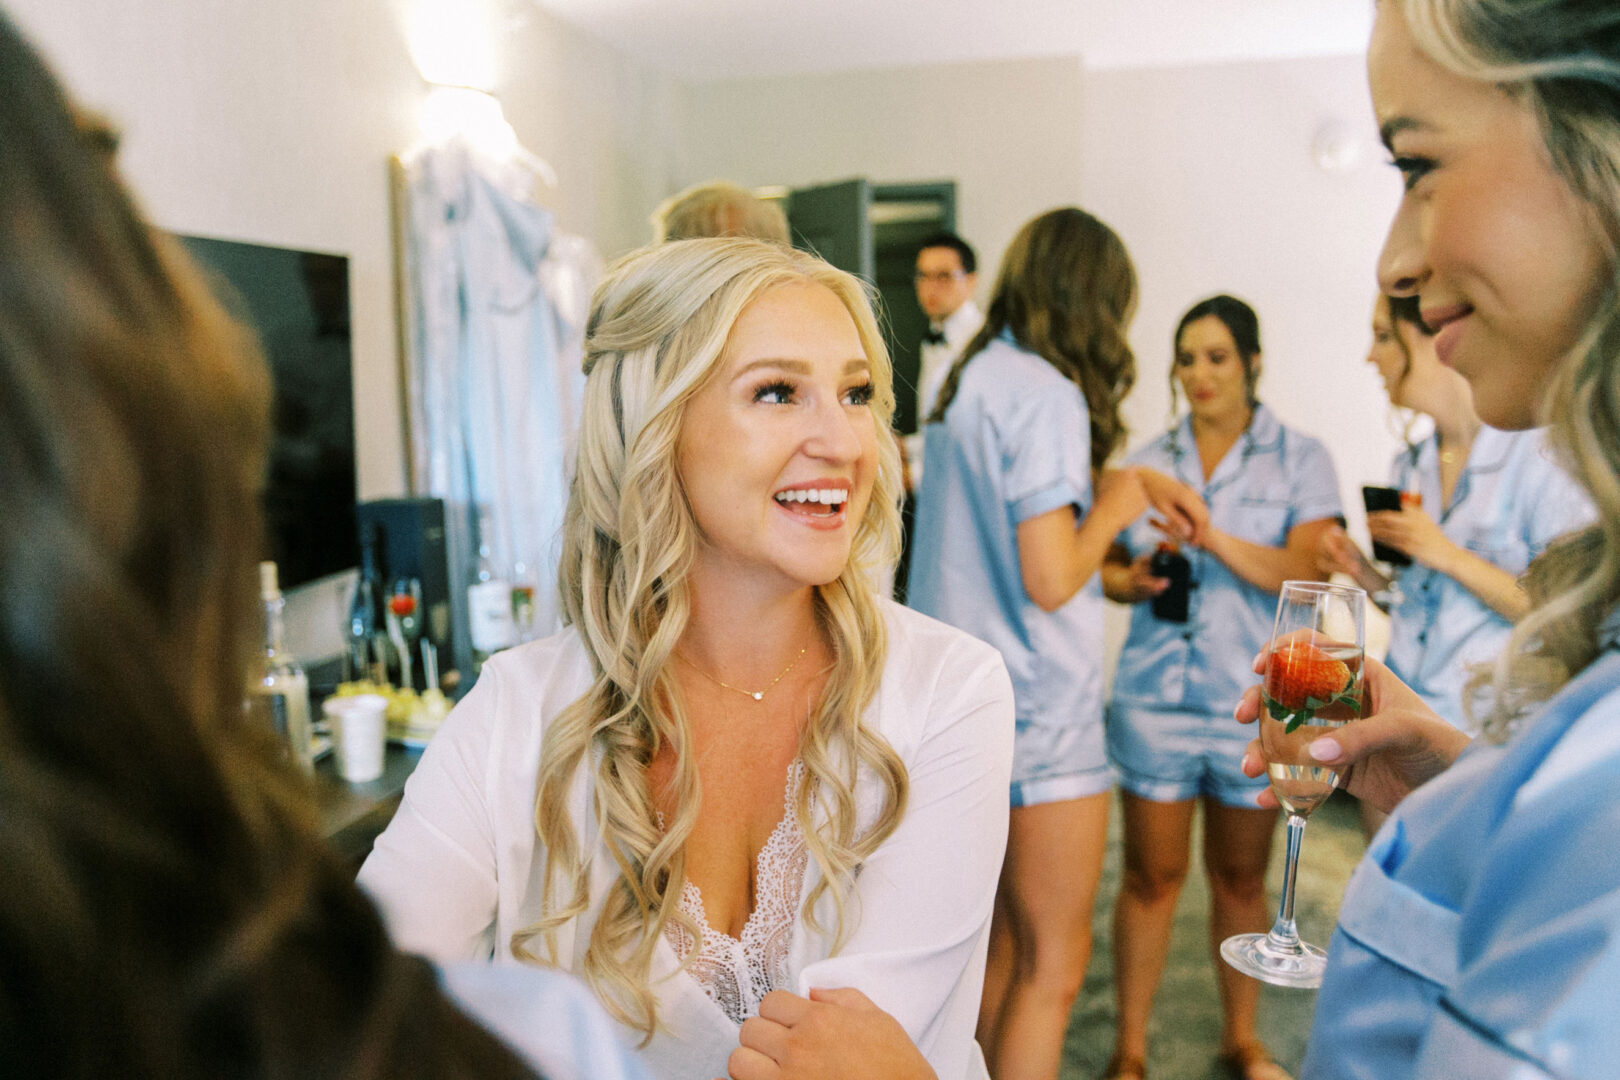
352, 815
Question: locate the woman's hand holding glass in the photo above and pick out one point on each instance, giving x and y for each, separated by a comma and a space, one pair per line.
1398, 744
1313, 686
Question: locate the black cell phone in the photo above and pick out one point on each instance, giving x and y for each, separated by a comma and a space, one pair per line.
1384, 498
1171, 605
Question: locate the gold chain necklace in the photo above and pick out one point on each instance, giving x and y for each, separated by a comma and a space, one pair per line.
1450, 455
757, 695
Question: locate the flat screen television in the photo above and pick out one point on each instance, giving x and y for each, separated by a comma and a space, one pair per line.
298, 302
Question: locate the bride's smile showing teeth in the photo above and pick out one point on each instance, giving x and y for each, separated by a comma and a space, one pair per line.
823, 502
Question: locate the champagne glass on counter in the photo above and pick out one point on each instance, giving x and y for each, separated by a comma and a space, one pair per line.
405, 625
366, 657
1312, 686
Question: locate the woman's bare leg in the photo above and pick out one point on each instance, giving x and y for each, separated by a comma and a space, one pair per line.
1237, 847
1049, 883
1158, 838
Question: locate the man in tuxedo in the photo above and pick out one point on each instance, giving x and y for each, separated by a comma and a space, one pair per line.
947, 275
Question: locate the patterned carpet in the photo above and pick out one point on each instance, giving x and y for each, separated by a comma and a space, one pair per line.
1186, 1019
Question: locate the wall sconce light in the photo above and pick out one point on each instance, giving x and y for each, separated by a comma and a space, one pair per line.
453, 42
1336, 147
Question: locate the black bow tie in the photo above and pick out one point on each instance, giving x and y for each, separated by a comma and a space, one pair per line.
933, 337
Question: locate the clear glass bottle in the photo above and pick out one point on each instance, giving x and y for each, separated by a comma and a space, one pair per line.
278, 693
489, 603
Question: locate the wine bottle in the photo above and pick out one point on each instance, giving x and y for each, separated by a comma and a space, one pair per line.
523, 610
278, 693
364, 621
489, 603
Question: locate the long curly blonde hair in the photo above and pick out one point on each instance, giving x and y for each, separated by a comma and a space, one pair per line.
658, 326
1562, 59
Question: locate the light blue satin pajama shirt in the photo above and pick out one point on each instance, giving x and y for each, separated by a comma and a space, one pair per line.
1170, 730
1480, 935
1510, 501
1016, 443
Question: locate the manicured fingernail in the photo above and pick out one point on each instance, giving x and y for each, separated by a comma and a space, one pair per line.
1326, 748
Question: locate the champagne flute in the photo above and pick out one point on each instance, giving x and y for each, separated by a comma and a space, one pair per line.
1312, 686
405, 624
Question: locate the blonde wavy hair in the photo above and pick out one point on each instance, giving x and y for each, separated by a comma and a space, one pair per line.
1066, 291
719, 208
658, 326
1562, 59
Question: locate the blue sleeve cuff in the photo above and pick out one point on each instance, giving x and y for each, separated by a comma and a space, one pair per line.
1046, 499
1318, 511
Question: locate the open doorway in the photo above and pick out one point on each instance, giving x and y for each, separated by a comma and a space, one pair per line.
872, 230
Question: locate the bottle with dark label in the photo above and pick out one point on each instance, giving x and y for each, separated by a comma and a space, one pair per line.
1167, 562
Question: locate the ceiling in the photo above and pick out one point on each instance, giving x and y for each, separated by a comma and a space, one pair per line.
709, 40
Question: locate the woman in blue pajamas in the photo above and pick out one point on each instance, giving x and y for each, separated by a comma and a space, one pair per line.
1015, 516
1492, 501
1480, 936
1271, 493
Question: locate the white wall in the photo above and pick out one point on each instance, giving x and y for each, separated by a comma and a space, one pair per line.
610, 127
1006, 132
274, 123
1207, 173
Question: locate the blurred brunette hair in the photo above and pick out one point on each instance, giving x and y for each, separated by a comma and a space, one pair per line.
1066, 291
166, 907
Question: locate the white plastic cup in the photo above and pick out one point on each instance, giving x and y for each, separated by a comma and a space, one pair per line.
359, 726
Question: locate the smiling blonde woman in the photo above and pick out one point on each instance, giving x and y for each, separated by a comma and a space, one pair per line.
1480, 936
740, 774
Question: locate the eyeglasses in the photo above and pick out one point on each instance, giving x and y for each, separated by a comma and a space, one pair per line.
940, 277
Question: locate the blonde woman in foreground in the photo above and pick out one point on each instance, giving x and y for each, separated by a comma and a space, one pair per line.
754, 805
1480, 936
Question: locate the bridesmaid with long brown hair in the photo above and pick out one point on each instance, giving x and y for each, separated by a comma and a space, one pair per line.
1017, 511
